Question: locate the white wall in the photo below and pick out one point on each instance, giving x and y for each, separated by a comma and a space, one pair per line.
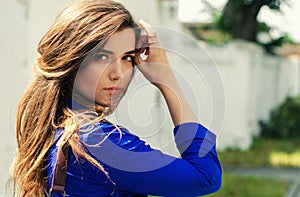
13, 76
255, 83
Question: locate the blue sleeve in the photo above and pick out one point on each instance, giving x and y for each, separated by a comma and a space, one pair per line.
134, 166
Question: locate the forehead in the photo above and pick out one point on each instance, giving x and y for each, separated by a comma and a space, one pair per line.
121, 42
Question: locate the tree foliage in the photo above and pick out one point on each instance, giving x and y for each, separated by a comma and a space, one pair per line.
283, 121
239, 17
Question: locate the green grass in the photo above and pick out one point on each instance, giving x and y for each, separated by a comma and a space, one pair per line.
260, 153
242, 186
237, 186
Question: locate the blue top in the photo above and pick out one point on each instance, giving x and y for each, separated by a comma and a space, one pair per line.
135, 169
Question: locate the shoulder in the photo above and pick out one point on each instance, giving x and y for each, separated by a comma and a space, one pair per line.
104, 133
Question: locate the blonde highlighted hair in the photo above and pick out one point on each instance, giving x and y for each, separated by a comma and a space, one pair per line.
44, 106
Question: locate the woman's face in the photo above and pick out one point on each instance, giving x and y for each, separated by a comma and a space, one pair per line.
108, 72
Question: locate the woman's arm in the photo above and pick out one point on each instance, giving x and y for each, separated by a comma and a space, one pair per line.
178, 106
135, 167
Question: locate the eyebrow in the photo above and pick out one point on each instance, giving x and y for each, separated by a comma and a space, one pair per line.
130, 52
111, 52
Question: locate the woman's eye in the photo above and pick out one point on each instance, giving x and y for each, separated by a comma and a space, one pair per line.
101, 57
128, 58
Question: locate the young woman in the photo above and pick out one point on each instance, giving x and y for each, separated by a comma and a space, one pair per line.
87, 60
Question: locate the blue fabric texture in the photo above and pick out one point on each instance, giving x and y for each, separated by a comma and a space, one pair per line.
137, 170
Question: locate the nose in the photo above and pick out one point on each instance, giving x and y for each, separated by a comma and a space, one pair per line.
115, 70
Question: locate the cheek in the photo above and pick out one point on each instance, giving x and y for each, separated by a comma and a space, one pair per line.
128, 75
86, 81
128, 69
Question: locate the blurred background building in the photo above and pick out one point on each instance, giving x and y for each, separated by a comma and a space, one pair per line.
231, 87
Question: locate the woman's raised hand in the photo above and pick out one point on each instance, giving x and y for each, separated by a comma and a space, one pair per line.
152, 60
153, 63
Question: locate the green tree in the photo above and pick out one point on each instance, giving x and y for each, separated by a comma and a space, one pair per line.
239, 17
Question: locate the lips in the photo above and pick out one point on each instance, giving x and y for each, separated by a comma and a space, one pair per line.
113, 90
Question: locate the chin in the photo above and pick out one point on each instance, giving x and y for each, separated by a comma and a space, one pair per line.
109, 104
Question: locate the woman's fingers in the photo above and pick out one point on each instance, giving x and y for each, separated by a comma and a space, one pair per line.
149, 30
148, 39
152, 60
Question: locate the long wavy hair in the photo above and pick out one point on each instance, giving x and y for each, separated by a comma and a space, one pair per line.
44, 107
